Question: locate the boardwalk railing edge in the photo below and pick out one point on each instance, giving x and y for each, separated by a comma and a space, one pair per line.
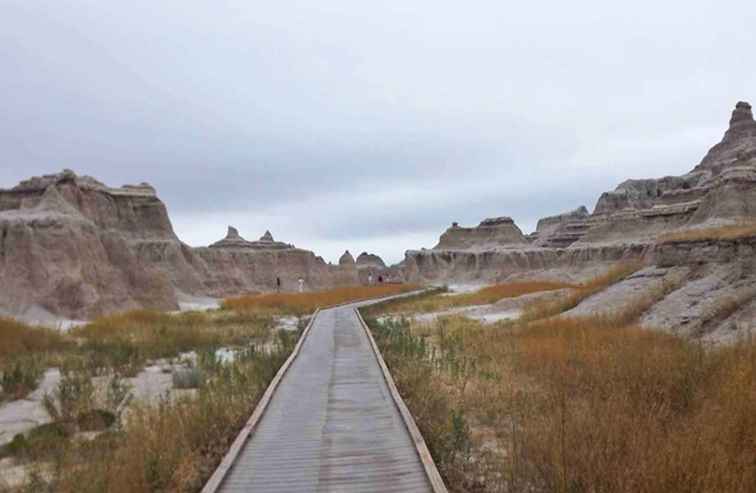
434, 477
215, 481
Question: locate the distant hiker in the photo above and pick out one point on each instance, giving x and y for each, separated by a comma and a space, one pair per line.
380, 279
278, 284
301, 285
370, 278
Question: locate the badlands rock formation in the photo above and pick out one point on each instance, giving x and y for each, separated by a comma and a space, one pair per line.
370, 261
73, 247
712, 282
490, 233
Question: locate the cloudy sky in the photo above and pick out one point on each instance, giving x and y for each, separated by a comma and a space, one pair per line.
367, 125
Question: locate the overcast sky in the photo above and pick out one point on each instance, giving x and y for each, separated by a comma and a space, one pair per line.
367, 125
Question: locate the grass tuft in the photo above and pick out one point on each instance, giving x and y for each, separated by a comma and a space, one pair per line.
731, 232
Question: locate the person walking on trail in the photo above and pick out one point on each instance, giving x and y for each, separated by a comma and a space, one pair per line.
278, 284
301, 285
370, 278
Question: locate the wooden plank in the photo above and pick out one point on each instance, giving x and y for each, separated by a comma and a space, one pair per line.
420, 446
213, 484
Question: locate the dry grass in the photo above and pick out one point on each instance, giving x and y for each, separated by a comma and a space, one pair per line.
17, 338
23, 350
437, 301
577, 405
305, 303
544, 309
126, 341
175, 445
732, 232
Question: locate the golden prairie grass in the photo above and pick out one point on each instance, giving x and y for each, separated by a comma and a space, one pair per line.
127, 340
730, 232
577, 405
17, 338
23, 349
490, 294
306, 303
548, 308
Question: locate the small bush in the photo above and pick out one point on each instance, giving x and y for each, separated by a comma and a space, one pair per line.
20, 377
39, 443
187, 378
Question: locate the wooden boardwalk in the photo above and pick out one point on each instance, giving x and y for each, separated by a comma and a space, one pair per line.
334, 423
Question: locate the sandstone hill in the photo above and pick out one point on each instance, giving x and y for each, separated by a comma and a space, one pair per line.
73, 247
668, 223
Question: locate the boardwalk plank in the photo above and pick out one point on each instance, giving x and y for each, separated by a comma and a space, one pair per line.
332, 424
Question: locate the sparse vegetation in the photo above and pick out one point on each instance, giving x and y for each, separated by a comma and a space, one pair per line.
439, 300
171, 446
176, 445
300, 304
22, 354
126, 341
548, 308
731, 232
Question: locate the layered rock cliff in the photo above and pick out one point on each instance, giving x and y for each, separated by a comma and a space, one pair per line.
73, 247
490, 233
700, 278
625, 222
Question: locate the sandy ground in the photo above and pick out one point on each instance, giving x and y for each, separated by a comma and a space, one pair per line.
36, 315
24, 414
464, 288
484, 313
188, 302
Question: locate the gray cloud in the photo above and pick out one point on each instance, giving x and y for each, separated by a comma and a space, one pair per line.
337, 123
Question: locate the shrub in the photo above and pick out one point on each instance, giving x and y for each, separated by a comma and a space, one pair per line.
187, 378
20, 377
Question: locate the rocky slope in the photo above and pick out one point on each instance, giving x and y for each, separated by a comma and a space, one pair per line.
630, 223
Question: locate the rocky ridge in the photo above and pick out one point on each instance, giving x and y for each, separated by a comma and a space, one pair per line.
628, 223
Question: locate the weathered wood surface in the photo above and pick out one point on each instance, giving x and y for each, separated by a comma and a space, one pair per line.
332, 424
